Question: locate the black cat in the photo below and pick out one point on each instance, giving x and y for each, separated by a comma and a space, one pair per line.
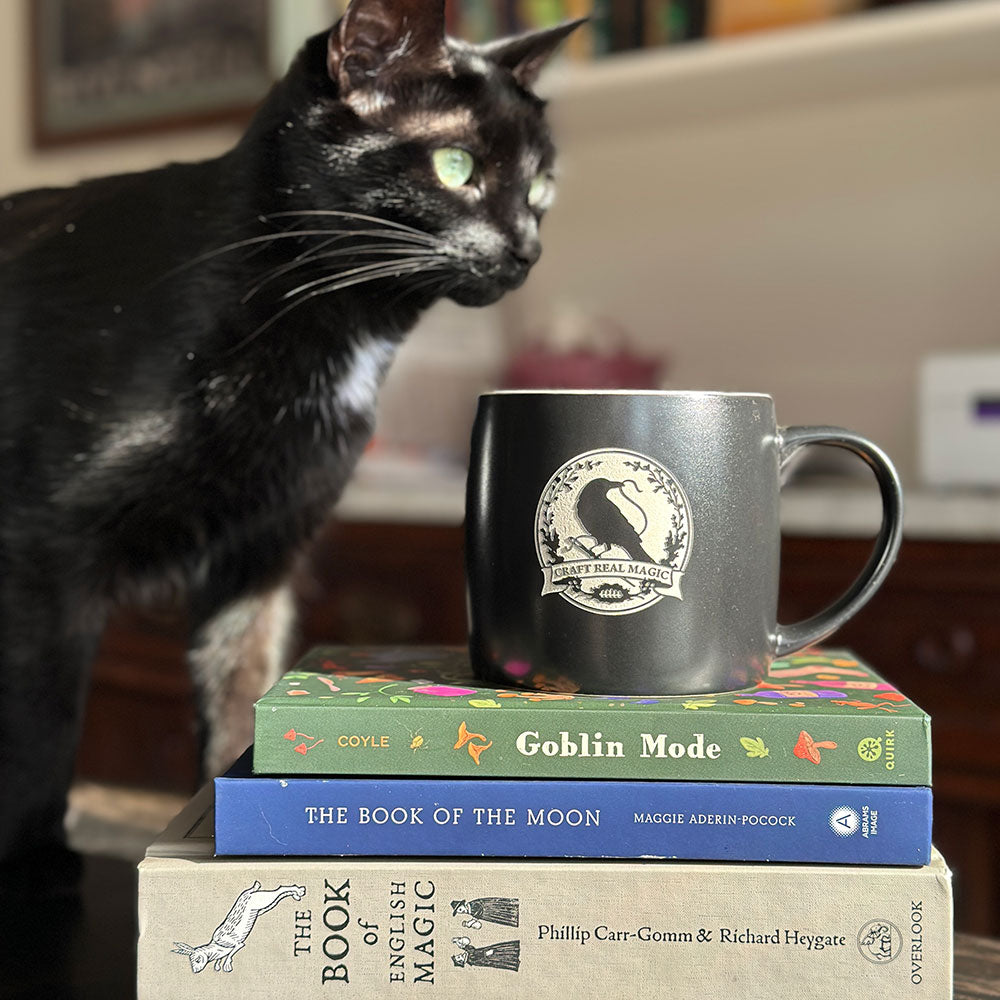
189, 359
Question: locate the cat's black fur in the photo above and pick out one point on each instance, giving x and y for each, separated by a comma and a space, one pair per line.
189, 359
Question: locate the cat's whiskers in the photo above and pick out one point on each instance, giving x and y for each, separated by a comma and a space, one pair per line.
241, 244
384, 228
318, 254
359, 217
337, 282
388, 267
432, 279
414, 251
360, 275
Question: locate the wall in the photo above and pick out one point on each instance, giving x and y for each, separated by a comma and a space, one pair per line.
806, 213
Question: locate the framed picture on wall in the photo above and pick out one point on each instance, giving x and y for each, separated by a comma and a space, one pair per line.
104, 68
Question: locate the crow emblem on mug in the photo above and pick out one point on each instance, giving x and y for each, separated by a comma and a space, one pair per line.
613, 532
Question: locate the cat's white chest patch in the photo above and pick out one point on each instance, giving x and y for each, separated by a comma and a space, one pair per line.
357, 387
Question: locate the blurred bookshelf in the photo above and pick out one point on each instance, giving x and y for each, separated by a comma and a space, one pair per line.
627, 25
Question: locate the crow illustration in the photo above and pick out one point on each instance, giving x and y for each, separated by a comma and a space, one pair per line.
605, 522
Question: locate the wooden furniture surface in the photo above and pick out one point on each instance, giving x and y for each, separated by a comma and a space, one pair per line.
977, 968
933, 629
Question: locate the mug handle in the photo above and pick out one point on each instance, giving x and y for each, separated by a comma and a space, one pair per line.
789, 638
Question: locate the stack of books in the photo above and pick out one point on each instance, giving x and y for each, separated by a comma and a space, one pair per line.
397, 827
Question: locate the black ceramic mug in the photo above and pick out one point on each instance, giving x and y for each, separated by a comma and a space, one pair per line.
628, 542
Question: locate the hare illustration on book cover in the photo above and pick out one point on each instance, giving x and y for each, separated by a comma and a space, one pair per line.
822, 716
231, 935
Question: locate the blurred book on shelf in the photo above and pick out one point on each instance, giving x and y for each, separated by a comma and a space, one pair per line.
737, 17
626, 25
614, 25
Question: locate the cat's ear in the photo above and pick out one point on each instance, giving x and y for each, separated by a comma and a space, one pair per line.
376, 37
525, 55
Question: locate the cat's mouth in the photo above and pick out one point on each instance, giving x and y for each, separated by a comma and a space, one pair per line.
483, 283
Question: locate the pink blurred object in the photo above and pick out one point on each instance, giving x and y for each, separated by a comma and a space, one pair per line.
538, 367
579, 349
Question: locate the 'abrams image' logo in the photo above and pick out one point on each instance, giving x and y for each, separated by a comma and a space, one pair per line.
844, 821
613, 532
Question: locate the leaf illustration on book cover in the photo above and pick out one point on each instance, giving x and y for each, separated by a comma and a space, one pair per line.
484, 703
388, 688
754, 747
694, 704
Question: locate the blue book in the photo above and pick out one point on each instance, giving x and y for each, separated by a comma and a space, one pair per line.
534, 818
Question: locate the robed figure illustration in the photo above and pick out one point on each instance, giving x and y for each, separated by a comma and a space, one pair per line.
505, 955
493, 909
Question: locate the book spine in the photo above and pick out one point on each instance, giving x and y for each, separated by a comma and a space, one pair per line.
254, 929
777, 744
581, 819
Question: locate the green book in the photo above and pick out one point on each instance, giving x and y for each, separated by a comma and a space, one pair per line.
819, 716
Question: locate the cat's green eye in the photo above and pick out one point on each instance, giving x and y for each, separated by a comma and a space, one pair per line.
454, 167
541, 192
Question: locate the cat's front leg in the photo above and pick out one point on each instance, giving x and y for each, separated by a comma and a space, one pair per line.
238, 651
49, 631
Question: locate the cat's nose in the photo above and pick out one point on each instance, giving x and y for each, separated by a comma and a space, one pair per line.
517, 262
525, 247
525, 253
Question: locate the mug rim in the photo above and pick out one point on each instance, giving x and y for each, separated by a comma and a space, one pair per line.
701, 393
